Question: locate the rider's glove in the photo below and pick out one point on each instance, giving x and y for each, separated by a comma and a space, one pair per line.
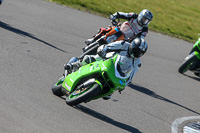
101, 51
113, 21
112, 17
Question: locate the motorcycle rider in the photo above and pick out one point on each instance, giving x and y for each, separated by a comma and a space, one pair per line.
131, 53
136, 26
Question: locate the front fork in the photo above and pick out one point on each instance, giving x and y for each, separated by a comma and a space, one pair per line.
197, 54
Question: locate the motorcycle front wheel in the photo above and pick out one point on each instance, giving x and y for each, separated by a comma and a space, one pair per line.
79, 96
57, 88
187, 63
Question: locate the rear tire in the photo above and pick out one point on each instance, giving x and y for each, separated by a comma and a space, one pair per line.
93, 91
187, 63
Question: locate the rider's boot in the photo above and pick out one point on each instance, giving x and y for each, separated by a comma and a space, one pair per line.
92, 40
98, 42
95, 37
89, 41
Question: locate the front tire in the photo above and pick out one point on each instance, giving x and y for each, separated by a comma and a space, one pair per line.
187, 63
79, 97
57, 88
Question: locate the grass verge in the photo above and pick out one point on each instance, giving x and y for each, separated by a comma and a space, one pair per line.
178, 18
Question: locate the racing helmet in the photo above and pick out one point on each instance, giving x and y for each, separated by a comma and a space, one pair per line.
145, 17
137, 48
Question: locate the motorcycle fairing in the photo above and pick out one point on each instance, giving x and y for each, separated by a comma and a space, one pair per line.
196, 49
72, 79
105, 68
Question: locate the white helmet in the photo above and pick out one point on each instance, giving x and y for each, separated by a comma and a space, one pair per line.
145, 17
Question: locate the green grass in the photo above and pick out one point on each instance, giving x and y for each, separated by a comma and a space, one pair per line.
179, 18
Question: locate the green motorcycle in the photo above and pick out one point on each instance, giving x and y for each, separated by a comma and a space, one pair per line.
92, 81
192, 61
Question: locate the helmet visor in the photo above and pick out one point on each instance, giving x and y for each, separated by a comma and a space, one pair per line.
145, 21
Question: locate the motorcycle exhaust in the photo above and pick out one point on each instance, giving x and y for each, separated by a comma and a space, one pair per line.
86, 84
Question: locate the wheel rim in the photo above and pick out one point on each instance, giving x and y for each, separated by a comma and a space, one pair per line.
79, 92
187, 67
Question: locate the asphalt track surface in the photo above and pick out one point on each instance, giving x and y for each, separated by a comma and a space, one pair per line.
37, 37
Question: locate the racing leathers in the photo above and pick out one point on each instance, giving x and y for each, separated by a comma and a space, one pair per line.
131, 66
130, 29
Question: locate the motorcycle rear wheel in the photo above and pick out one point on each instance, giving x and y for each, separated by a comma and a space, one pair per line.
78, 97
187, 63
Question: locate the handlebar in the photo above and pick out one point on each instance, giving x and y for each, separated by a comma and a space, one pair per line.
116, 23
